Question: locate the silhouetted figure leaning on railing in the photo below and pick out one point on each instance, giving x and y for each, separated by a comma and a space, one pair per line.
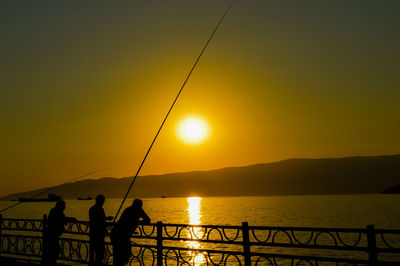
55, 228
98, 229
123, 230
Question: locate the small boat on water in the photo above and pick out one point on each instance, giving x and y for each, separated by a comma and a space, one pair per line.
50, 198
163, 196
88, 198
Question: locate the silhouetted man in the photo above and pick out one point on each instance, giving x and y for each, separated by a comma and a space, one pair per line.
98, 229
55, 228
123, 230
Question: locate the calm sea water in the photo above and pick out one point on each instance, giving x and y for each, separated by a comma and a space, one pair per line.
315, 211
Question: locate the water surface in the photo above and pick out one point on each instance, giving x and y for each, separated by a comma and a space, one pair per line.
314, 211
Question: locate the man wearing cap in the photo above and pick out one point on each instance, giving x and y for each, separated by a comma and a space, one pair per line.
53, 231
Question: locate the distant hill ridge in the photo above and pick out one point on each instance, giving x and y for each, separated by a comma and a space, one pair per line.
349, 175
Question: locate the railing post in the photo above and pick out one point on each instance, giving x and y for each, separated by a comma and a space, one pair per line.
159, 244
1, 236
246, 244
44, 242
371, 237
91, 247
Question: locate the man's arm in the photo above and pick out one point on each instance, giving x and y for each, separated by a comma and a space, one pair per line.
106, 218
145, 217
70, 220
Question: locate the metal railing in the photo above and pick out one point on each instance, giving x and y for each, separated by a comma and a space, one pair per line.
183, 244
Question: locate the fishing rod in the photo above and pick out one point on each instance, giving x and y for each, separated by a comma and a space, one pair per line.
173, 104
52, 188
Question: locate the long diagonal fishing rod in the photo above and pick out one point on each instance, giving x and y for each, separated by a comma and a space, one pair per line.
173, 104
52, 188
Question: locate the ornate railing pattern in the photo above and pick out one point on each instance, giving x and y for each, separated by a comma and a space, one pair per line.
182, 244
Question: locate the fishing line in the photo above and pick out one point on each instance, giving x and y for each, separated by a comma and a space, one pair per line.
52, 188
173, 104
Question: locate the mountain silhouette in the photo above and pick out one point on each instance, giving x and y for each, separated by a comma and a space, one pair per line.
349, 175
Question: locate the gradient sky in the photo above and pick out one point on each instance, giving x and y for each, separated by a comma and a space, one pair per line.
85, 85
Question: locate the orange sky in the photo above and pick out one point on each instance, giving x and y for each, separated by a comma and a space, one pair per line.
85, 87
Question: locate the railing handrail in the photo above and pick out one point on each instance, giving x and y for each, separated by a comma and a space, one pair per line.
251, 227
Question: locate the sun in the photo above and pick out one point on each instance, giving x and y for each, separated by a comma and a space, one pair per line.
193, 129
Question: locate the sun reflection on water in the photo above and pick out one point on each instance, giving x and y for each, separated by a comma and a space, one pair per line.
194, 213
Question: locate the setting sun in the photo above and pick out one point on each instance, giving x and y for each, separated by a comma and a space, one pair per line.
193, 129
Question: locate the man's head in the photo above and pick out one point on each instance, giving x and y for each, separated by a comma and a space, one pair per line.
60, 205
100, 199
137, 203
